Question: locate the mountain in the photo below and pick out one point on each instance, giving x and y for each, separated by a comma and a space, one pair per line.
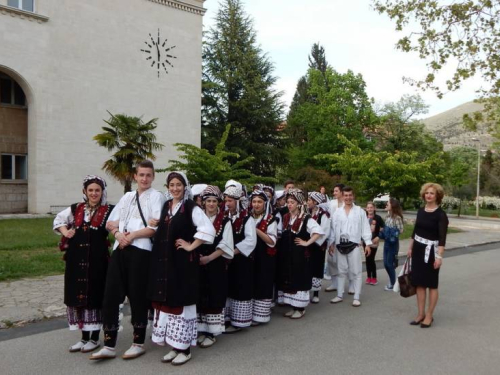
448, 128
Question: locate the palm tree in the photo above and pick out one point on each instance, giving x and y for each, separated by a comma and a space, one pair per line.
133, 141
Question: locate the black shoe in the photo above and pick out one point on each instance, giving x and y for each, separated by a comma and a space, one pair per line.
416, 322
422, 325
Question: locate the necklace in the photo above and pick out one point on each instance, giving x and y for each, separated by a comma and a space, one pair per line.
431, 209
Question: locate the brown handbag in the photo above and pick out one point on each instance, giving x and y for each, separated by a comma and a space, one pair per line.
406, 289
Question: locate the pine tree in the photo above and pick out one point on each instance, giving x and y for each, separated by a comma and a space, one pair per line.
238, 90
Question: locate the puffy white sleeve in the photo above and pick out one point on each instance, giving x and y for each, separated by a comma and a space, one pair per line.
325, 227
226, 244
247, 246
313, 227
272, 232
366, 232
205, 230
157, 201
63, 219
115, 214
331, 237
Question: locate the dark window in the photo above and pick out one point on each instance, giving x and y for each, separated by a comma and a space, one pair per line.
7, 167
5, 90
19, 98
21, 167
22, 4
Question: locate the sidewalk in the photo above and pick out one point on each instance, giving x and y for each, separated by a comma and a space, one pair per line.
30, 300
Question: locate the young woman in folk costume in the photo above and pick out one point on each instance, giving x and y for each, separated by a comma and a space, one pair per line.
213, 269
174, 273
317, 205
299, 232
240, 272
84, 224
264, 257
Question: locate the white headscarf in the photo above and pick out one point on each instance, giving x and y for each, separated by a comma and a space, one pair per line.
89, 179
187, 187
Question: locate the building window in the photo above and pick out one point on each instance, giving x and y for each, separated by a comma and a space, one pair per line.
27, 5
14, 167
10, 92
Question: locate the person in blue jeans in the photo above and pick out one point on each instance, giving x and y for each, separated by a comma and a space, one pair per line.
393, 228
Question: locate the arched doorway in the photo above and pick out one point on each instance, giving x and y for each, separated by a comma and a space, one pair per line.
13, 143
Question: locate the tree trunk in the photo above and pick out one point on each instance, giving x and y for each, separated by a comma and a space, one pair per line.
127, 186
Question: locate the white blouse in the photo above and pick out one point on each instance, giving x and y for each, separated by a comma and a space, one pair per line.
325, 227
312, 226
355, 226
226, 244
272, 230
247, 246
205, 230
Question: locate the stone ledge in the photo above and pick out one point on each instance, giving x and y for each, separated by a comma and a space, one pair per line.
30, 16
181, 6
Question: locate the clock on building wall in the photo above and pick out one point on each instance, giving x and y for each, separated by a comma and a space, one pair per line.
159, 53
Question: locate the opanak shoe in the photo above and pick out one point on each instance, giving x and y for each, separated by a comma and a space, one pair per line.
368, 280
90, 346
104, 353
200, 339
169, 357
77, 347
297, 314
208, 342
356, 303
336, 300
136, 350
374, 282
389, 288
315, 299
181, 359
289, 313
231, 329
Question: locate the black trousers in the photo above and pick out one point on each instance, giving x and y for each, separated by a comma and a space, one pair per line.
128, 276
371, 267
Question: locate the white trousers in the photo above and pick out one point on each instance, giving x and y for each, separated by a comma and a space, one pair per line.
351, 266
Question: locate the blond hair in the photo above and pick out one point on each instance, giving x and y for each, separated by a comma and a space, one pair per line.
439, 191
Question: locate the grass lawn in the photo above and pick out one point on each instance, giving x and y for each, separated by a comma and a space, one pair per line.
471, 211
408, 230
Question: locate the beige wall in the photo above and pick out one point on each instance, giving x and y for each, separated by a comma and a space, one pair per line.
86, 60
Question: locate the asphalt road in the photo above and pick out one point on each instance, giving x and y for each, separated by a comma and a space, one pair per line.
331, 339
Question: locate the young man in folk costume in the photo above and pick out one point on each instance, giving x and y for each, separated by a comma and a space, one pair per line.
264, 257
84, 227
213, 269
299, 231
350, 226
128, 268
240, 272
319, 212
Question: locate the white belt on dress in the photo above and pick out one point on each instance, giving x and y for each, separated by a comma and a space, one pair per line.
429, 244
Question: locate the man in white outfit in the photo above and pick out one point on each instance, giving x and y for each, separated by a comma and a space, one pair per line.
331, 257
350, 226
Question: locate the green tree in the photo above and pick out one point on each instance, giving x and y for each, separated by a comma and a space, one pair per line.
216, 168
373, 172
340, 106
133, 140
399, 130
238, 89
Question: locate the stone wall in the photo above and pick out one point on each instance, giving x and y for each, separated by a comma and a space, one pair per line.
13, 198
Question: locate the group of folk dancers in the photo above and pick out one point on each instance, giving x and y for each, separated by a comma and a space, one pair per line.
205, 265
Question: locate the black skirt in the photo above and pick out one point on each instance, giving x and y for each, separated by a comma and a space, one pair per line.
423, 274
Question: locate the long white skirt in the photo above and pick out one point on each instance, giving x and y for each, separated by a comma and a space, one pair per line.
261, 310
239, 313
211, 323
178, 331
299, 299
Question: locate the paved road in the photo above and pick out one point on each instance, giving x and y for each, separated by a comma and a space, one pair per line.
340, 339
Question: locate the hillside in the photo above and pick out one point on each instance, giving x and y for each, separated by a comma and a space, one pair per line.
448, 128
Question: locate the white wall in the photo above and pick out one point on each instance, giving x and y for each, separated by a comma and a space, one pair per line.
85, 60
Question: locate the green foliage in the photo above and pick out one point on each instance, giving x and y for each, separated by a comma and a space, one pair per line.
336, 104
133, 140
216, 169
238, 90
400, 174
465, 33
461, 172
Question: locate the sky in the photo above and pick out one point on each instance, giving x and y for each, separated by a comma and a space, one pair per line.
354, 37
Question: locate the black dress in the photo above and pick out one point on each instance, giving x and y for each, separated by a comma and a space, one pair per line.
431, 226
87, 259
317, 251
264, 264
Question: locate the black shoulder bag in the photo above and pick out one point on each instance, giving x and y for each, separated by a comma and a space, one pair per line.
142, 215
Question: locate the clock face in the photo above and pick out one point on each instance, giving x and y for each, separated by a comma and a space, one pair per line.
159, 53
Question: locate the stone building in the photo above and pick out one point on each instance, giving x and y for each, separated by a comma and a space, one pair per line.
65, 63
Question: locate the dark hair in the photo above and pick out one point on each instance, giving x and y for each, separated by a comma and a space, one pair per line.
340, 186
178, 176
145, 164
347, 189
396, 209
288, 182
93, 181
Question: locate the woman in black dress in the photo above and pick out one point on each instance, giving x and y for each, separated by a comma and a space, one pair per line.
84, 225
426, 251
